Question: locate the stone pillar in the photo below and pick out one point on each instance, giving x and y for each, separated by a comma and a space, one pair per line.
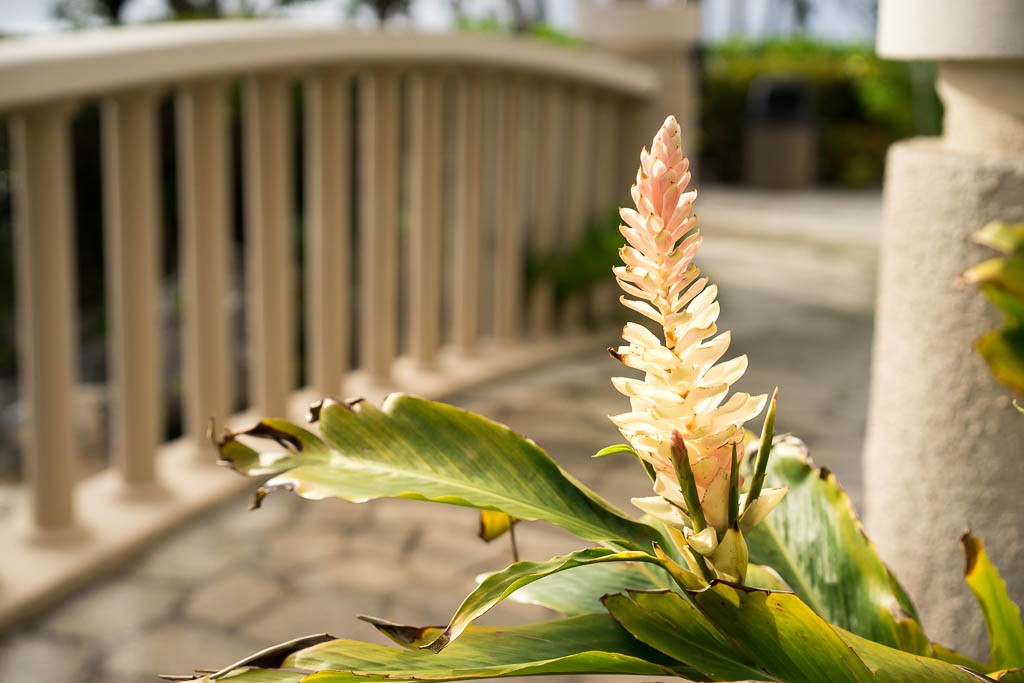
945, 449
664, 37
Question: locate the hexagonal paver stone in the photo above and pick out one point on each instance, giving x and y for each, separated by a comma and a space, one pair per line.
229, 598
122, 604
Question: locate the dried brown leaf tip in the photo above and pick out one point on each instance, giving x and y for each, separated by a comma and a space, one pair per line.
263, 491
973, 546
400, 633
313, 412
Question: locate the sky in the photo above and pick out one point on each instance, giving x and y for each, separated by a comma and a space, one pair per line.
840, 20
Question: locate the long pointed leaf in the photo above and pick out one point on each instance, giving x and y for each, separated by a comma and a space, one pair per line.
670, 624
816, 543
788, 639
1003, 350
420, 449
296, 446
260, 676
500, 585
592, 644
953, 657
889, 665
1002, 615
580, 591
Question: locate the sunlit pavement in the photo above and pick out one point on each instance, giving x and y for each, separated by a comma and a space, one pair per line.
796, 273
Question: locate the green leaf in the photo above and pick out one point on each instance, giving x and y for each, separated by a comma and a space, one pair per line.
731, 632
818, 546
296, 446
580, 591
499, 585
419, 449
889, 665
259, 676
591, 644
788, 639
760, 576
1002, 615
255, 667
1003, 350
764, 451
1002, 236
953, 657
669, 623
1006, 273
613, 450
1008, 302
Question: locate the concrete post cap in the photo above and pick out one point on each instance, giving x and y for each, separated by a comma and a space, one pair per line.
951, 29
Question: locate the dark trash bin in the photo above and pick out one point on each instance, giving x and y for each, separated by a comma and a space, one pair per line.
781, 142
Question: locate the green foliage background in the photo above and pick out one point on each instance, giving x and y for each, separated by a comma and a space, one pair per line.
863, 103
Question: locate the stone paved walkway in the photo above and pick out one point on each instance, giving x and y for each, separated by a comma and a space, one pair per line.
798, 298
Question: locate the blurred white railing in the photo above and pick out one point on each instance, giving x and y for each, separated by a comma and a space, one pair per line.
532, 134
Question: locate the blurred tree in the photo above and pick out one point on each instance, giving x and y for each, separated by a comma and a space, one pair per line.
383, 9
524, 18
83, 12
80, 13
866, 8
801, 12
195, 9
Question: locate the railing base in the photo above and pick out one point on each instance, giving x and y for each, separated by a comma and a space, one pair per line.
117, 522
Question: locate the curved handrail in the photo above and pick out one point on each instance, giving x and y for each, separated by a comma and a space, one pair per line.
46, 68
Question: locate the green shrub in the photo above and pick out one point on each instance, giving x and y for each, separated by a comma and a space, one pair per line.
863, 103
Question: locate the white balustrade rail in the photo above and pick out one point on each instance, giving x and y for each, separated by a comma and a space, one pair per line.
528, 136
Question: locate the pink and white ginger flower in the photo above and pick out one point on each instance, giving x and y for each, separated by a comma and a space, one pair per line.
681, 396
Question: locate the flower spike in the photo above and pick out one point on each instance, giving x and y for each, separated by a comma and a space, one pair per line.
679, 421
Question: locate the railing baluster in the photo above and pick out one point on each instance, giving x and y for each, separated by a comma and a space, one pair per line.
606, 192
606, 173
269, 262
467, 233
203, 182
544, 209
632, 117
426, 193
578, 174
47, 330
378, 229
508, 266
328, 230
131, 199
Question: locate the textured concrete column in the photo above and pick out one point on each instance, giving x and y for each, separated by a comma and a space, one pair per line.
662, 36
944, 446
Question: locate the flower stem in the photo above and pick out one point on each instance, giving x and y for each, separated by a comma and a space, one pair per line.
763, 451
681, 462
709, 575
734, 489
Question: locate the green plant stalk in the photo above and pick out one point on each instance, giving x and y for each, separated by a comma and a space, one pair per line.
681, 462
702, 564
764, 450
734, 490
